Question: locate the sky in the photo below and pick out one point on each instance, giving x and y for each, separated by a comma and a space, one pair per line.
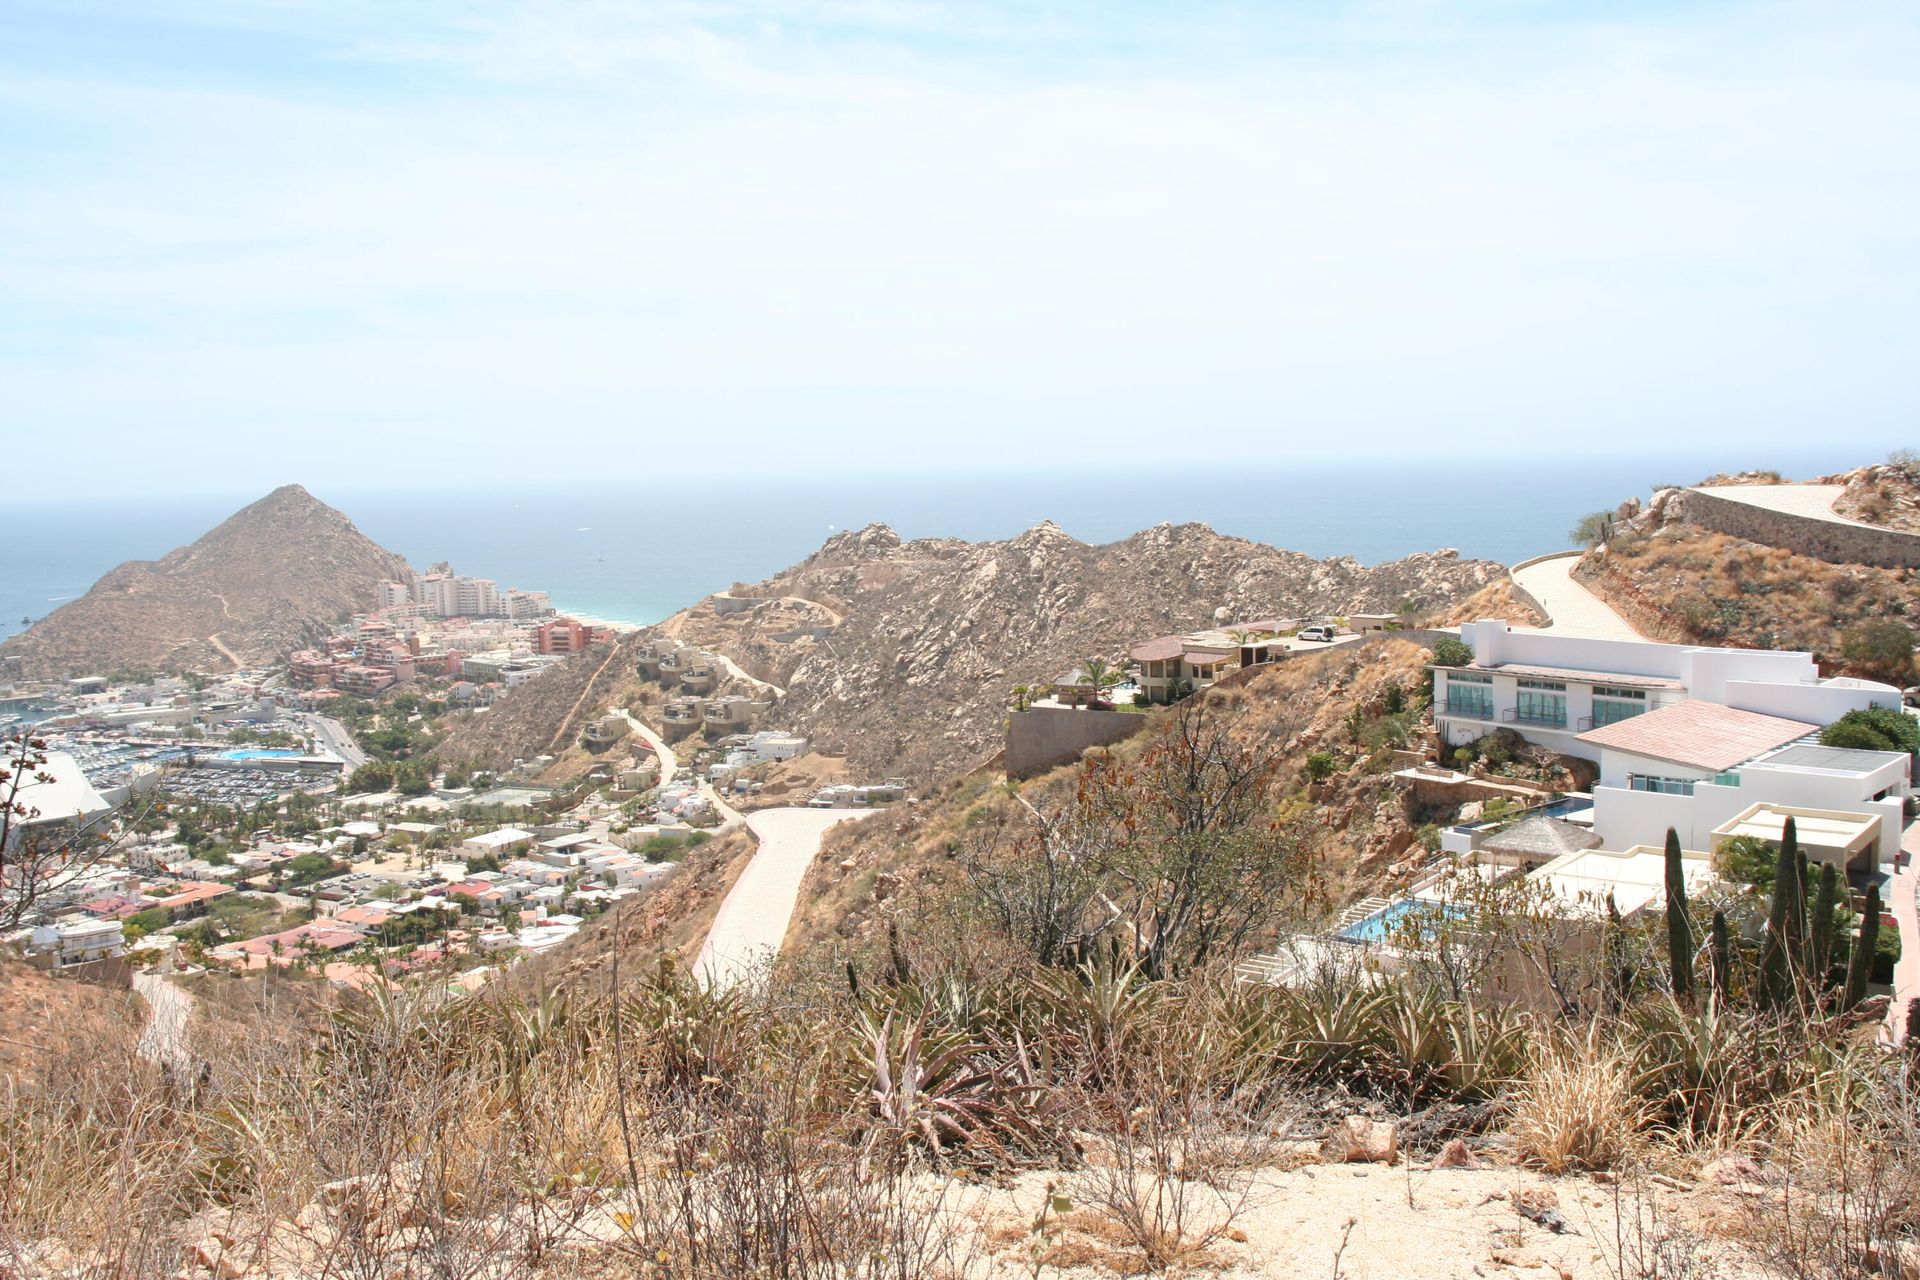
378, 241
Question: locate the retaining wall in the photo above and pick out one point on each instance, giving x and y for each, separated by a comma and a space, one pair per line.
1043, 737
1828, 540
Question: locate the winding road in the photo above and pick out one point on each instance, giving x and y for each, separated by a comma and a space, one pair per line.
1815, 501
752, 920
1572, 610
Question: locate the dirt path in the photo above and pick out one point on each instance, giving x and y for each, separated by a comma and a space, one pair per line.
225, 652
566, 722
1571, 608
752, 921
164, 1038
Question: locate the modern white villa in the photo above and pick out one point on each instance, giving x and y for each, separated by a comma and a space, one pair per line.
1685, 737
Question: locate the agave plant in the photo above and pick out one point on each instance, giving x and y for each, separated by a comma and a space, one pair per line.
940, 1090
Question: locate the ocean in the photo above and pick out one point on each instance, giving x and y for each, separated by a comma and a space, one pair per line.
639, 551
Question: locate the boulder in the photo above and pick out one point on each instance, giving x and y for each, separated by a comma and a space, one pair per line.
1359, 1140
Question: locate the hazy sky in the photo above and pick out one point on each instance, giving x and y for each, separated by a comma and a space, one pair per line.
350, 240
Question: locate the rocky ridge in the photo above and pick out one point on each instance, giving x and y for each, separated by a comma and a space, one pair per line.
259, 584
901, 653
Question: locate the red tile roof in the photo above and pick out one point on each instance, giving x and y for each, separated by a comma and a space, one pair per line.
1703, 735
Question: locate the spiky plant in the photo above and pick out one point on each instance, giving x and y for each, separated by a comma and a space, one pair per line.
1722, 959
1783, 922
1821, 943
1679, 926
1860, 963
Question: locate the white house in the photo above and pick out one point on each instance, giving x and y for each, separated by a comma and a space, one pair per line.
1552, 689
78, 941
504, 841
1694, 766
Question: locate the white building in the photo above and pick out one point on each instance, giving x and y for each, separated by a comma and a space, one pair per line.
498, 843
58, 804
1552, 689
78, 941
1696, 765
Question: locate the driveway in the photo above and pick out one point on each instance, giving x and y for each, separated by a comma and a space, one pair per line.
1572, 610
752, 921
164, 1039
1813, 500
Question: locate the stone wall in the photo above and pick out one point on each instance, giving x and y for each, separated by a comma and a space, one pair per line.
1827, 540
1043, 737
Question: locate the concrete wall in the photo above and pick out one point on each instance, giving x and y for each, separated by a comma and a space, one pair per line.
1808, 535
1043, 737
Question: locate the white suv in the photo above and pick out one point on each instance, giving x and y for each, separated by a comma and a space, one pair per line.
1316, 633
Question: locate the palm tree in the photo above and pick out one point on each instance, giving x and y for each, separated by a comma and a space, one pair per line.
1102, 676
1022, 694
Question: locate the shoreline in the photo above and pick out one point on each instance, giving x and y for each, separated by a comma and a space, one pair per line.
594, 620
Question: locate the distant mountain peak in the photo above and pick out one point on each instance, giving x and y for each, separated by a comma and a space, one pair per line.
263, 581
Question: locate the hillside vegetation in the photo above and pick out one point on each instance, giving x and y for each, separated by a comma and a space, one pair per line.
1685, 584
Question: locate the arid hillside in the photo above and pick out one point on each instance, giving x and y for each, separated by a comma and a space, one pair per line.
1680, 582
902, 653
246, 593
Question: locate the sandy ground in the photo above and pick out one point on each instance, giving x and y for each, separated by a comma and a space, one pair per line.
1574, 610
752, 921
1372, 1222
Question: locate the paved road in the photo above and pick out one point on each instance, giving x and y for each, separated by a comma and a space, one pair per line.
733, 669
1815, 500
335, 740
669, 762
752, 921
1572, 609
164, 1038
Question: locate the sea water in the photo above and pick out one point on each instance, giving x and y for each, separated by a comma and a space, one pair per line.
641, 550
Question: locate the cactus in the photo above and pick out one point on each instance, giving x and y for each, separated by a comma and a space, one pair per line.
1860, 963
1679, 927
1722, 959
1821, 954
1778, 956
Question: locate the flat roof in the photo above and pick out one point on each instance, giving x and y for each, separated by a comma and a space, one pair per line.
1698, 734
1635, 879
1816, 828
1847, 760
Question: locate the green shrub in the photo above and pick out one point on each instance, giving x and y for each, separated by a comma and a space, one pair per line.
1874, 729
1320, 764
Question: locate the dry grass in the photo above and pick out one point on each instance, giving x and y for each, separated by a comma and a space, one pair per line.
1577, 1108
1692, 585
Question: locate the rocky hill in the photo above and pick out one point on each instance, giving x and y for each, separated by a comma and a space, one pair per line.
246, 593
902, 653
1679, 581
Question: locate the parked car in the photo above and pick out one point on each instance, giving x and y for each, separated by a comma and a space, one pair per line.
1316, 633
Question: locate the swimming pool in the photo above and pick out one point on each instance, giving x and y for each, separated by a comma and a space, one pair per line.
1388, 920
258, 753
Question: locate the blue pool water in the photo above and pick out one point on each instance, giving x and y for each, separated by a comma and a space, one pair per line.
257, 753
1381, 925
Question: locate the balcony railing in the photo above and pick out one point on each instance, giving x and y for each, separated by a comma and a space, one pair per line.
1470, 710
1536, 716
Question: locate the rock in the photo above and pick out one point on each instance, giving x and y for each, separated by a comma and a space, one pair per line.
1456, 1156
1733, 1170
885, 885
1359, 1140
1541, 1205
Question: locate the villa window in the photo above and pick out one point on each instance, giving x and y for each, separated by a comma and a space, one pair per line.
1533, 706
1470, 695
1659, 785
1606, 711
